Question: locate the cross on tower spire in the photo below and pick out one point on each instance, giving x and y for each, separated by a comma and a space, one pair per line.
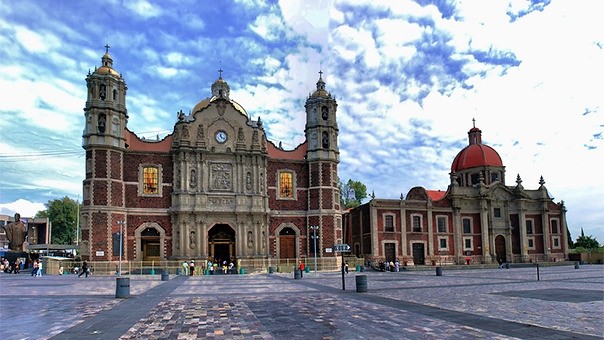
220, 72
473, 122
107, 48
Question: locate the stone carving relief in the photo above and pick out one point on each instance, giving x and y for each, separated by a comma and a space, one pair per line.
185, 132
250, 239
248, 181
313, 141
240, 135
263, 240
193, 179
192, 244
255, 137
221, 176
221, 106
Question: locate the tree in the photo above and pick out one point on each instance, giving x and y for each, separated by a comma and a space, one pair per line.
352, 193
63, 216
587, 242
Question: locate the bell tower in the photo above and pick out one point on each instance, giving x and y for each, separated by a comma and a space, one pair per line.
105, 111
323, 156
104, 139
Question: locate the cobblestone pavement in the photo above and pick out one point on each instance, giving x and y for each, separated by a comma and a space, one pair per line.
461, 304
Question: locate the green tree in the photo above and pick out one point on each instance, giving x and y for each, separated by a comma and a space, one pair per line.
352, 193
587, 242
63, 216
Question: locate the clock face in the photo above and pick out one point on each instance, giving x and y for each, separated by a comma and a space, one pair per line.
221, 136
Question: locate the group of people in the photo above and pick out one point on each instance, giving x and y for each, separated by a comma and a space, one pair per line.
392, 266
216, 266
11, 267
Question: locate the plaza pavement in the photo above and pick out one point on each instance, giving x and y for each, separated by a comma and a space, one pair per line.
566, 303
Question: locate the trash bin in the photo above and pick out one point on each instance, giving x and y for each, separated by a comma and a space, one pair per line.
177, 271
361, 282
439, 271
165, 275
358, 268
242, 271
122, 287
507, 265
271, 270
297, 274
307, 269
576, 265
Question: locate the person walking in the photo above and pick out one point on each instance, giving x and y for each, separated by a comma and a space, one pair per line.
185, 268
34, 271
301, 267
85, 269
192, 268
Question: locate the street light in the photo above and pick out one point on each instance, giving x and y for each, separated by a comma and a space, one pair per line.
314, 237
122, 224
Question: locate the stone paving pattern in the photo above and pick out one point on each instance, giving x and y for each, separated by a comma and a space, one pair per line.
566, 303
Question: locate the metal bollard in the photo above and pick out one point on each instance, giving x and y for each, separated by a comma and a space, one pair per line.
165, 275
297, 274
122, 287
361, 282
439, 271
576, 265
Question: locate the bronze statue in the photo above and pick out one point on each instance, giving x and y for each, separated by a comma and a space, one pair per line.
15, 232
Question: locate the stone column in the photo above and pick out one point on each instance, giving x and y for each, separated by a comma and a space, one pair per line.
457, 234
203, 234
403, 231
484, 229
523, 238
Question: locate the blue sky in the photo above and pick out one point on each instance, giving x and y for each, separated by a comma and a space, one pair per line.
409, 77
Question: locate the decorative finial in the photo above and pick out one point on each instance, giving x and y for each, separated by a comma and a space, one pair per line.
541, 181
220, 71
320, 73
473, 122
107, 48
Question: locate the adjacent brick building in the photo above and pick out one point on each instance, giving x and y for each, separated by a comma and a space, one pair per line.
478, 219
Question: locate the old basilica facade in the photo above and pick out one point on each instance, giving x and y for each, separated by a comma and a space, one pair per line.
215, 188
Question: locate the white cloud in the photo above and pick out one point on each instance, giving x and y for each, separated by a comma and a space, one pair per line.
23, 207
143, 8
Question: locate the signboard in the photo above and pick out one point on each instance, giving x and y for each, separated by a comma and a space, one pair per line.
341, 248
100, 253
328, 250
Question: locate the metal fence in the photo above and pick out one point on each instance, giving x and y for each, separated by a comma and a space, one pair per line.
175, 266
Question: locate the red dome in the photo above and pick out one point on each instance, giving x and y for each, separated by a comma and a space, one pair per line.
475, 155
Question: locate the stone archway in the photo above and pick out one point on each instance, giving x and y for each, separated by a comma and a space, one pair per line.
500, 254
288, 241
221, 243
150, 241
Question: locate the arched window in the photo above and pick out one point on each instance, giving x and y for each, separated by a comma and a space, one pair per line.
325, 139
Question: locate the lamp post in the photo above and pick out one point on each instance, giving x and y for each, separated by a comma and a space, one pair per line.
314, 237
122, 224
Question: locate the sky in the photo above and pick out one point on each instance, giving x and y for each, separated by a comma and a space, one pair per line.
408, 76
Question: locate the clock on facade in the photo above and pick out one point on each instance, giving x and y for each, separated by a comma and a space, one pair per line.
221, 136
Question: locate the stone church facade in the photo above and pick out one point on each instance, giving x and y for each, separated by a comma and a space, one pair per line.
215, 188
478, 219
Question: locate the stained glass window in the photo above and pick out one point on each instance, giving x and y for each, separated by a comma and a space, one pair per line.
150, 180
286, 185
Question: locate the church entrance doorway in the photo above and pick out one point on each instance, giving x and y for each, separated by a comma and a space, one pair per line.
287, 243
500, 249
221, 243
390, 252
418, 253
150, 244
